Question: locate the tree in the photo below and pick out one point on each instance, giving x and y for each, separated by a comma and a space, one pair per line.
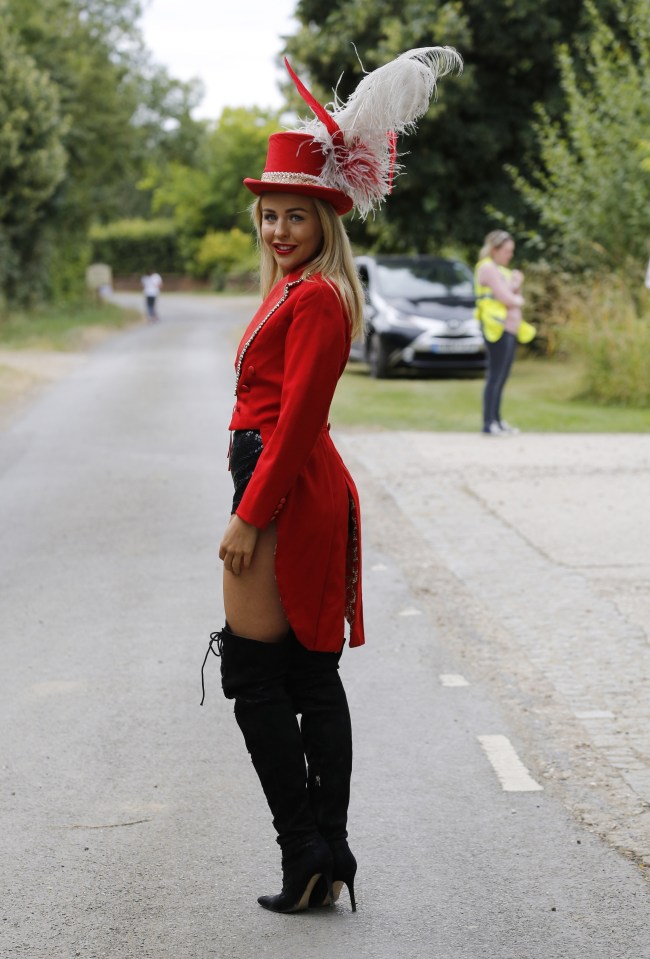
236, 148
32, 163
87, 48
210, 195
481, 122
119, 112
591, 194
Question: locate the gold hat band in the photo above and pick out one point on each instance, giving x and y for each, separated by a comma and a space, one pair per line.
304, 179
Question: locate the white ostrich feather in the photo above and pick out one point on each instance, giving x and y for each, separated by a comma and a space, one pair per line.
394, 96
387, 102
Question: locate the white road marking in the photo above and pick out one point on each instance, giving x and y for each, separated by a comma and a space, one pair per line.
410, 611
594, 714
453, 679
511, 772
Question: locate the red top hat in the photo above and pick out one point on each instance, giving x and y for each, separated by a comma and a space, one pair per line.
294, 164
347, 156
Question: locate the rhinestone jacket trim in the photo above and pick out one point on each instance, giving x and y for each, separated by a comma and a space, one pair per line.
246, 346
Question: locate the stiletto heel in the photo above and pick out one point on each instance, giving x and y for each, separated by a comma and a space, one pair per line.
336, 891
353, 901
343, 872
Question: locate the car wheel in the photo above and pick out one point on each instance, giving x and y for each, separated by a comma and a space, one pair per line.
378, 358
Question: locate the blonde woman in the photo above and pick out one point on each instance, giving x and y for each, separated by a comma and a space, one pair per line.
499, 302
292, 549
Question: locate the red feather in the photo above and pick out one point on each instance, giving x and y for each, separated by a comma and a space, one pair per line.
311, 101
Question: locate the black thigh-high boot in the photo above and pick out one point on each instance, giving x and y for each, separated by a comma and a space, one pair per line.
254, 675
318, 695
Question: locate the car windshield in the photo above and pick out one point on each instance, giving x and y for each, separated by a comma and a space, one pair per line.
424, 279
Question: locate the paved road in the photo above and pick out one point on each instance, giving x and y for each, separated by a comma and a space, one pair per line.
133, 826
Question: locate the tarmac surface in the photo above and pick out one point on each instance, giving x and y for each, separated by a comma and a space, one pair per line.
501, 794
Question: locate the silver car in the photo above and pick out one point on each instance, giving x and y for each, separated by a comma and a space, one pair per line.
419, 315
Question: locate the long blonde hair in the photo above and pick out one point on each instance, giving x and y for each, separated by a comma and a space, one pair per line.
493, 241
334, 261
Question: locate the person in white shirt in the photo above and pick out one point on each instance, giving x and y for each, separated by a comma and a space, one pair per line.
151, 283
647, 276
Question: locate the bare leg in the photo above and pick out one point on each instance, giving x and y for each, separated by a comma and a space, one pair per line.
251, 599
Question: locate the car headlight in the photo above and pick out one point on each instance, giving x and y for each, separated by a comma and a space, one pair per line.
394, 319
428, 324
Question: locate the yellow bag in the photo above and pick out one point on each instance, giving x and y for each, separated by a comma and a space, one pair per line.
526, 332
492, 328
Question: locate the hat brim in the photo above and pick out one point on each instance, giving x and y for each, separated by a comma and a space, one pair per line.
341, 202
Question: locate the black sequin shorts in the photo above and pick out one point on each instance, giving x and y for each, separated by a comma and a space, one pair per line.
244, 454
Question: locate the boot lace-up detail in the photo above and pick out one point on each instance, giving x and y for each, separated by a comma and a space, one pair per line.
216, 639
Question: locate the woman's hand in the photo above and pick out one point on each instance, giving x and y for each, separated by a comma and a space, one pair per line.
238, 545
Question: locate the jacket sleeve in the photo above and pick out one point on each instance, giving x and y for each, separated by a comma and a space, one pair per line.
316, 348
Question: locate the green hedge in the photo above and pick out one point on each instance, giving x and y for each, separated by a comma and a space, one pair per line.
137, 246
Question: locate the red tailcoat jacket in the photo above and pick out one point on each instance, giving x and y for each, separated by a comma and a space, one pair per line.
288, 364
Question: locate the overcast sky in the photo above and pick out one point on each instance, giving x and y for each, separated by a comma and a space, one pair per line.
229, 45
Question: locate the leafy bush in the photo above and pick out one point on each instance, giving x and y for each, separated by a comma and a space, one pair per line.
546, 288
69, 258
220, 254
598, 319
135, 246
601, 322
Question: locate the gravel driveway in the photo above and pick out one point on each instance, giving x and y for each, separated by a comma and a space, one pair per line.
532, 554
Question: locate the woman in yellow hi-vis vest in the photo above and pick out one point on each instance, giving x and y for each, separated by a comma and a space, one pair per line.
498, 306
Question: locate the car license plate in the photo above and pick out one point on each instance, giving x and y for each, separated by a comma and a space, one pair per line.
462, 346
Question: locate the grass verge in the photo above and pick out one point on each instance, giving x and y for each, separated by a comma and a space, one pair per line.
541, 396
69, 327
